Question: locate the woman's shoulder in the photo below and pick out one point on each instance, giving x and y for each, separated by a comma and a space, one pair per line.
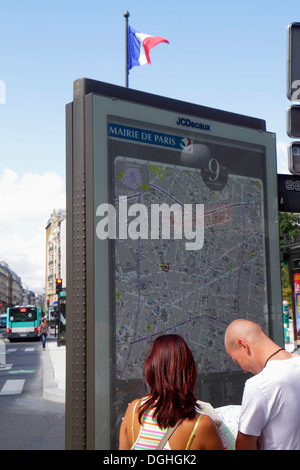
134, 404
202, 431
138, 400
201, 422
206, 421
201, 419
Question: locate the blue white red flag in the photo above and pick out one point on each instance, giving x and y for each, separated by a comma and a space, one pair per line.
139, 47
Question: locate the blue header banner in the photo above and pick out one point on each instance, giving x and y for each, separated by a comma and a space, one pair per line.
146, 136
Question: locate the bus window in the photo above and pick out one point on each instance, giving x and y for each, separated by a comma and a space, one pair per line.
22, 314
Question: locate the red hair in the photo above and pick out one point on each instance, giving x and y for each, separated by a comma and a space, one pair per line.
171, 373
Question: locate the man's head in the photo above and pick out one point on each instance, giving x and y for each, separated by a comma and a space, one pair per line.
246, 344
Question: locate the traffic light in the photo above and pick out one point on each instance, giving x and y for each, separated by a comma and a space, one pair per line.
58, 285
293, 94
293, 62
294, 158
293, 121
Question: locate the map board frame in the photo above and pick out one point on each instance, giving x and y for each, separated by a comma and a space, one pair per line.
95, 400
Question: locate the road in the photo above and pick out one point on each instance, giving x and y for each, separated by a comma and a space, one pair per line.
27, 421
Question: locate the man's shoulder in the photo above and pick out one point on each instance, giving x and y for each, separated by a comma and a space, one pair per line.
274, 372
258, 381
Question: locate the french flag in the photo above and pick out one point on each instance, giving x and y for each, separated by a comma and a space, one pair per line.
139, 47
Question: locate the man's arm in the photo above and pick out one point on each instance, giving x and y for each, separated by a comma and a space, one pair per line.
246, 442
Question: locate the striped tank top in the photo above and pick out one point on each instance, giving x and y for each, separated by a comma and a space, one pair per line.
151, 434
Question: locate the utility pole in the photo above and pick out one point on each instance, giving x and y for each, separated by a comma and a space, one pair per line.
126, 16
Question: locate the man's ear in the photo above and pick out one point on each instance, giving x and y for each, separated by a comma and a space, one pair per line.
242, 344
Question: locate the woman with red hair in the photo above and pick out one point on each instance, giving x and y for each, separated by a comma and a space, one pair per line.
170, 372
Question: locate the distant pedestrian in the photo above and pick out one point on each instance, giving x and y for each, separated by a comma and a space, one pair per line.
270, 414
44, 331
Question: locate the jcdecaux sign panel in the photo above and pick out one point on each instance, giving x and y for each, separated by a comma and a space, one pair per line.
182, 205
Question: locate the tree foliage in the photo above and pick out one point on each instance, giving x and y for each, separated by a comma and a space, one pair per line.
288, 227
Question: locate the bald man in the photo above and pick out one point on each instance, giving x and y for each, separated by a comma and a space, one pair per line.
270, 414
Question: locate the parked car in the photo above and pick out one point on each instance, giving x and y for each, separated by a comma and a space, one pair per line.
3, 320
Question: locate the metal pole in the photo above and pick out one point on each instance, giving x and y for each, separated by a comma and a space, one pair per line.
126, 15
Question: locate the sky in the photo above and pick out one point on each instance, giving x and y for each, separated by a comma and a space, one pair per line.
226, 55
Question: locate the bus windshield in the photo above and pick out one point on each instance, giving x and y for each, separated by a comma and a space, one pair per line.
22, 314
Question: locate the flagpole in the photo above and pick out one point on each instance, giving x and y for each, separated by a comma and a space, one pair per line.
126, 15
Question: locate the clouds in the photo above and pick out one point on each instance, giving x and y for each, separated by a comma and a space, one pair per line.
282, 158
26, 204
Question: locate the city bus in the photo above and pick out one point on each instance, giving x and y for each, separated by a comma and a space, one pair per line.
23, 322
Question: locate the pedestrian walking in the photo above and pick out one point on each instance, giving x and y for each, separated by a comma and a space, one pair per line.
44, 331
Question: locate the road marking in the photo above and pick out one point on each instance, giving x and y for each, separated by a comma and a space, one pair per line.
5, 366
29, 349
12, 387
22, 371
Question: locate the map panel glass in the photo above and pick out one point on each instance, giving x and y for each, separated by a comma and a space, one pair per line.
160, 286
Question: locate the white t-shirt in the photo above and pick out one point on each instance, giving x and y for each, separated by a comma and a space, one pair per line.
271, 406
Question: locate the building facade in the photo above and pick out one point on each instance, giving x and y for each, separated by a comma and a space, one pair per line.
33, 298
55, 250
11, 289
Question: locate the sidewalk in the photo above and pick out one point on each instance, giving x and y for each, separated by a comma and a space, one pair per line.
54, 371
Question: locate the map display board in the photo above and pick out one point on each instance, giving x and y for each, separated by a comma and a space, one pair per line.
185, 241
161, 287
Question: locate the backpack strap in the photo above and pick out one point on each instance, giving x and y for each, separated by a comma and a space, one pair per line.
166, 437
